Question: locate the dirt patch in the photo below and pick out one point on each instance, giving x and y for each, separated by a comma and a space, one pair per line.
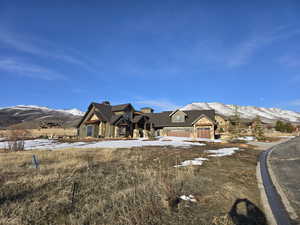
125, 186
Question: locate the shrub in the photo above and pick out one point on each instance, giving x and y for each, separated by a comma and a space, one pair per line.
284, 127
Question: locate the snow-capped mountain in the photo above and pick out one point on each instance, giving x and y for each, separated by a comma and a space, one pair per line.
29, 116
268, 115
75, 112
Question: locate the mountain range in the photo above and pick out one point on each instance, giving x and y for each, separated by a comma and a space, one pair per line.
30, 116
267, 115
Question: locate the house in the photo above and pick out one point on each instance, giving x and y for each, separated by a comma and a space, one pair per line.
181, 123
103, 120
223, 124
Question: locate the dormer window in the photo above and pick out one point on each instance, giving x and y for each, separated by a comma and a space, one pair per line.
178, 116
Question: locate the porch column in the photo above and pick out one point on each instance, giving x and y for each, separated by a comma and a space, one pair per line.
117, 131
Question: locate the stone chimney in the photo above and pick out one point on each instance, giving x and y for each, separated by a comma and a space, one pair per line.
106, 102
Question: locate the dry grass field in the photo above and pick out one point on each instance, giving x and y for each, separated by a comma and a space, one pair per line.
135, 186
72, 132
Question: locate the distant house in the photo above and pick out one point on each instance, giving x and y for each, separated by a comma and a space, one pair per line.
223, 124
103, 120
189, 123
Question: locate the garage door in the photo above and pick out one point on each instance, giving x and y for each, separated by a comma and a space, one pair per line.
178, 133
203, 132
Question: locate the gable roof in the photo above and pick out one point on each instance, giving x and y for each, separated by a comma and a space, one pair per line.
175, 111
121, 107
115, 118
138, 118
105, 112
164, 120
200, 117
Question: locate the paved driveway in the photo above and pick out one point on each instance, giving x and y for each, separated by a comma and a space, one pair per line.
285, 163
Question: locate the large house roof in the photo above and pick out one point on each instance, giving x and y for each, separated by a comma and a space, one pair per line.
105, 111
163, 119
121, 107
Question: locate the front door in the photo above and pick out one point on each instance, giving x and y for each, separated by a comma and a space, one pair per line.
123, 131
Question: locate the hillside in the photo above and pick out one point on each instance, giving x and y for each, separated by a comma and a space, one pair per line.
32, 116
268, 115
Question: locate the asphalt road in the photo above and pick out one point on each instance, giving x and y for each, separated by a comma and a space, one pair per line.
285, 163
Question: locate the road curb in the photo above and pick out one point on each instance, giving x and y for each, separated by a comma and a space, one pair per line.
264, 200
279, 189
275, 211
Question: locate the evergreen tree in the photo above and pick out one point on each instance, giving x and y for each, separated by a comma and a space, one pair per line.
284, 127
289, 128
279, 126
258, 129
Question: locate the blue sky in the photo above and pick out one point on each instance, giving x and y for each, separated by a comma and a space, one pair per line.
163, 54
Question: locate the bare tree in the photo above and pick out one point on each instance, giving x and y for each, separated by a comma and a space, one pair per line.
235, 124
16, 139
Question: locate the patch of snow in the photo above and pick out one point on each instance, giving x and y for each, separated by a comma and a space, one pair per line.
187, 139
287, 136
45, 144
217, 153
189, 198
222, 152
193, 162
247, 138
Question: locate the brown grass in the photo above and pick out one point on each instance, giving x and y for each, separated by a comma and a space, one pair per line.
123, 186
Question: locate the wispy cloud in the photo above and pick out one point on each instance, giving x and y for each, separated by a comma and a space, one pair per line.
42, 48
28, 70
243, 52
160, 104
295, 78
290, 60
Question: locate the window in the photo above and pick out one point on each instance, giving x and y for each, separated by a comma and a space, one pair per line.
89, 131
178, 118
120, 113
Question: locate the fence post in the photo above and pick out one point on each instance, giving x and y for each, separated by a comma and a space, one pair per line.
35, 161
74, 190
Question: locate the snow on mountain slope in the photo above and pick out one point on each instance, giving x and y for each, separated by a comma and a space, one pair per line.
268, 115
30, 116
74, 111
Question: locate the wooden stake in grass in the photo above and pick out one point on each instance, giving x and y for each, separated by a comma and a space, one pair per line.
74, 190
35, 162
